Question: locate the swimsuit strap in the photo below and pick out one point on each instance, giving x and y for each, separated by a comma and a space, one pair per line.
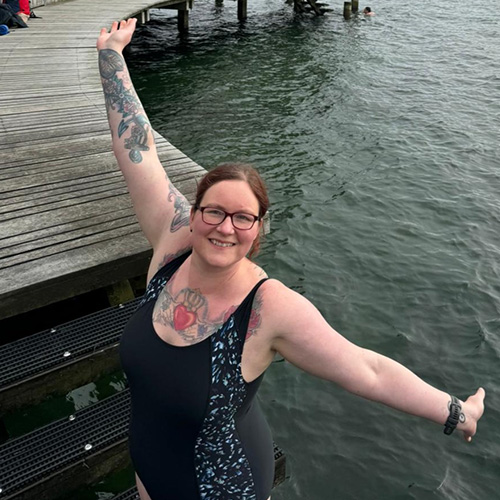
160, 279
170, 267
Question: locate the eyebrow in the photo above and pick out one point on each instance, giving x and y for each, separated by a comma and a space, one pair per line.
242, 211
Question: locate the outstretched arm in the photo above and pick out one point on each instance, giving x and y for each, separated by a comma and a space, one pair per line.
161, 209
305, 339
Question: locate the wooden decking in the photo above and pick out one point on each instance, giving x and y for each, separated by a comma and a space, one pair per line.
66, 221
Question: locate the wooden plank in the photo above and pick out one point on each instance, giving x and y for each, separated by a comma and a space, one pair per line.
35, 104
60, 171
64, 132
14, 244
71, 239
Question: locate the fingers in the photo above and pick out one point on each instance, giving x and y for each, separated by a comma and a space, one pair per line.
130, 23
124, 23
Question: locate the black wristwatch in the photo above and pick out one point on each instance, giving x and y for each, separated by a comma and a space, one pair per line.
454, 417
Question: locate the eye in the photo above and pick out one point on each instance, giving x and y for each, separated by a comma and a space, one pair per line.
213, 212
244, 217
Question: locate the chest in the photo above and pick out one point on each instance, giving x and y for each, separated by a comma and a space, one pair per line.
187, 316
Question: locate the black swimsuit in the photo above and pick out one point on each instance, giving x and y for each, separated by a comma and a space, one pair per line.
196, 431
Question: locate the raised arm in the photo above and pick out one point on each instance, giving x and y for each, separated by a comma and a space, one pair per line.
161, 209
304, 338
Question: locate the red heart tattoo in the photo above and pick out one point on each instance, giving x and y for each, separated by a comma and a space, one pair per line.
183, 318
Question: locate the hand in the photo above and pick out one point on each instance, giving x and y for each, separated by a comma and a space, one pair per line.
118, 37
473, 409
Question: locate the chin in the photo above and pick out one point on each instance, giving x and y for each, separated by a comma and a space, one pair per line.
225, 258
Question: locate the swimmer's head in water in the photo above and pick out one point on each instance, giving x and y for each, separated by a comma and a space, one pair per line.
367, 10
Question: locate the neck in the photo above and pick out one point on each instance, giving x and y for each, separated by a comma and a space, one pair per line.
210, 279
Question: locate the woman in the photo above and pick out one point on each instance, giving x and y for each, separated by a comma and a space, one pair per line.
211, 322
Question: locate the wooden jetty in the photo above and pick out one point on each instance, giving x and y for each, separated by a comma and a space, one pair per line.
66, 220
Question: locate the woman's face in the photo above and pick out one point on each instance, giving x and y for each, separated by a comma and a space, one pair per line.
223, 245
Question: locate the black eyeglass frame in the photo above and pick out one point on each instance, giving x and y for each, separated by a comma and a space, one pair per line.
226, 215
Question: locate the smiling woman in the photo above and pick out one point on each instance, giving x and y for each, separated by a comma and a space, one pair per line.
242, 172
210, 323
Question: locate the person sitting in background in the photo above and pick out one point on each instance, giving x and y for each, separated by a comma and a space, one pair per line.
9, 19
20, 7
367, 11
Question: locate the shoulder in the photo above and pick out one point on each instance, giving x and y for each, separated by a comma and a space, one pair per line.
282, 306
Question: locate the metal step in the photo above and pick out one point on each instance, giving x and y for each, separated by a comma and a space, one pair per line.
75, 451
131, 494
67, 453
61, 358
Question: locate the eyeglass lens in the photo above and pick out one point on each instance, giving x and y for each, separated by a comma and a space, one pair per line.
240, 220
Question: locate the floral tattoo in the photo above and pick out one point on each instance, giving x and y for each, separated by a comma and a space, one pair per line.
124, 101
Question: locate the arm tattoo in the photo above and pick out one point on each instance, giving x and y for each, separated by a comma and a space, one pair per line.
255, 319
181, 209
125, 102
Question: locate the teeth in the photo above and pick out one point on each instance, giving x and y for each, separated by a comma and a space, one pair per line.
220, 244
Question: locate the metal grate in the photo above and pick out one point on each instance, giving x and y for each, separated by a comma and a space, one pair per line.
63, 344
131, 494
278, 452
30, 458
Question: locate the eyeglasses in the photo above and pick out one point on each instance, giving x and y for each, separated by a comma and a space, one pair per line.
216, 216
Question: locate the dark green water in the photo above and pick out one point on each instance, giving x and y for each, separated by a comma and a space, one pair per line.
379, 142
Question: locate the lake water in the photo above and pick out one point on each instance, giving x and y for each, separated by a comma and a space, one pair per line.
378, 139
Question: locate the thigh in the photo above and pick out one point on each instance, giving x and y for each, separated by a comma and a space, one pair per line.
143, 494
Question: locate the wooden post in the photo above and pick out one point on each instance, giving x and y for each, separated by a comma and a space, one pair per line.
183, 20
347, 10
355, 5
142, 17
242, 10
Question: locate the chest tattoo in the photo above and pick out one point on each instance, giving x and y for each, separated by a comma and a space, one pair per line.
187, 312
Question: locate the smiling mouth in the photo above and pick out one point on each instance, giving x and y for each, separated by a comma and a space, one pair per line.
221, 244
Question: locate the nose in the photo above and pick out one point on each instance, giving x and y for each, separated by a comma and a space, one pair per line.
226, 226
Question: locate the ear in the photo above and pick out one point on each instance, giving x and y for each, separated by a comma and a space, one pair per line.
191, 216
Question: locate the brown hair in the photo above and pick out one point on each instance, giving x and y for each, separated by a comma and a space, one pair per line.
236, 172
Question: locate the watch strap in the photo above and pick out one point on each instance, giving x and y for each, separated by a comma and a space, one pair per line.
454, 416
